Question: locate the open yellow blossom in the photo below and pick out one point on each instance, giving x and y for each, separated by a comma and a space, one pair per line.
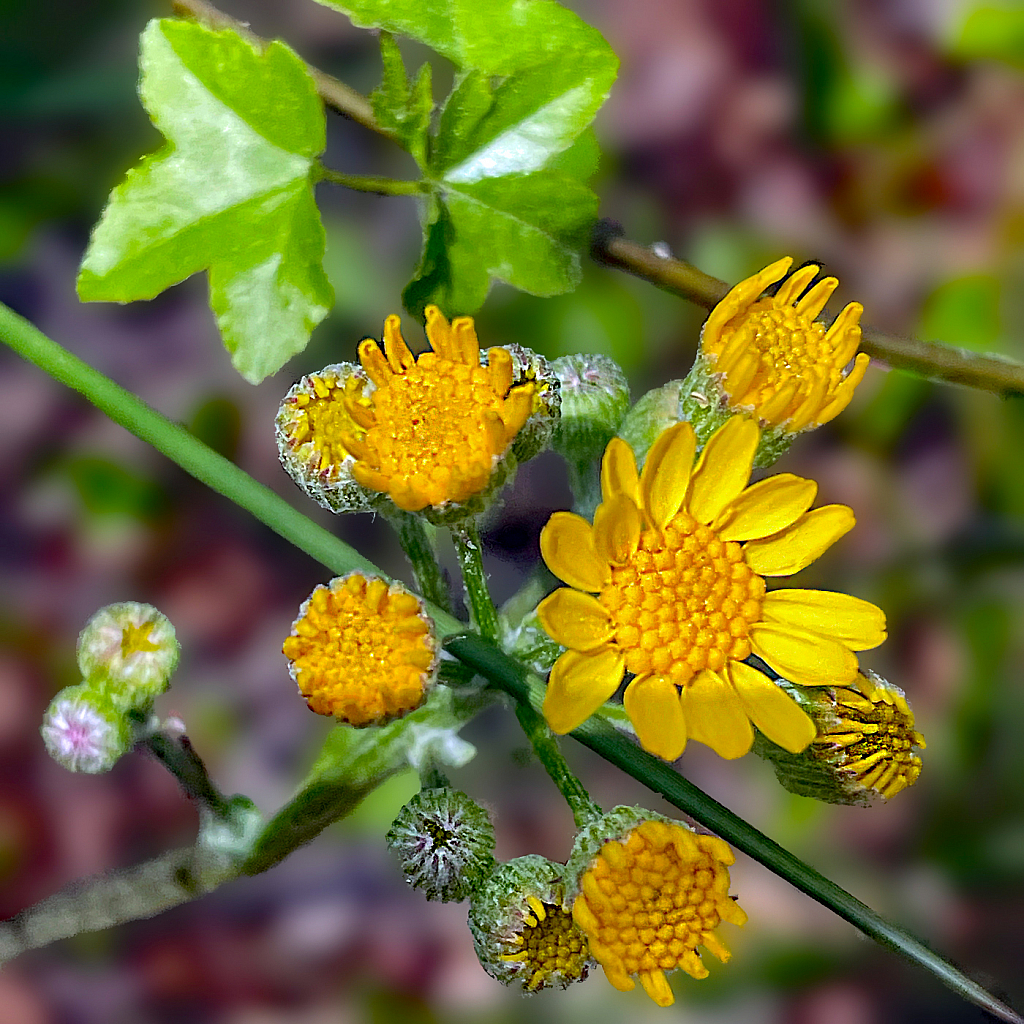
649, 899
362, 651
677, 557
773, 356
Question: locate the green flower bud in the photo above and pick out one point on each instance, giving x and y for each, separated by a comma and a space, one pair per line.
865, 747
653, 413
131, 651
445, 842
522, 933
595, 398
85, 730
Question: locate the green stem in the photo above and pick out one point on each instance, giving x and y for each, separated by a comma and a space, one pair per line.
483, 614
372, 183
419, 549
178, 756
545, 746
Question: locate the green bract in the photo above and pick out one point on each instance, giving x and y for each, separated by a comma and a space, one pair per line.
231, 192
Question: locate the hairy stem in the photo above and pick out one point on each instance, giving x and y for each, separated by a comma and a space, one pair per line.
178, 756
419, 550
483, 614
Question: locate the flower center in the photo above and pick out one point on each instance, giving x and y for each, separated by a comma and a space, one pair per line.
684, 603
361, 653
135, 639
551, 942
322, 417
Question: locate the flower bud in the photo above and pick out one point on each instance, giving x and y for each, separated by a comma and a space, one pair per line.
522, 933
595, 398
130, 650
865, 747
85, 730
445, 843
647, 891
653, 414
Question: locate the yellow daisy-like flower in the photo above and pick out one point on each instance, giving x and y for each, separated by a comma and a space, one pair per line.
649, 899
771, 355
677, 558
362, 651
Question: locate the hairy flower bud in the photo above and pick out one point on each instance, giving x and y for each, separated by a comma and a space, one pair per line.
85, 730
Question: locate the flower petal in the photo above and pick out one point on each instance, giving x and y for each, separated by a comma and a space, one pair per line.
723, 469
652, 704
578, 685
715, 716
617, 529
771, 709
666, 473
618, 471
803, 657
576, 620
567, 547
859, 624
795, 547
766, 507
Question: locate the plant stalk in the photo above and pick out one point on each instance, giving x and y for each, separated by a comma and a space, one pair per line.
483, 614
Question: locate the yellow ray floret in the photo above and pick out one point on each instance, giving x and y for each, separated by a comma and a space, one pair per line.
669, 585
773, 356
436, 425
648, 901
362, 651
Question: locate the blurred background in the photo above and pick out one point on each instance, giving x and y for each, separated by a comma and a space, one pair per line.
882, 137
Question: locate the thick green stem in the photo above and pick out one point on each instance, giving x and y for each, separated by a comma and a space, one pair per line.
372, 183
178, 756
419, 549
545, 746
483, 614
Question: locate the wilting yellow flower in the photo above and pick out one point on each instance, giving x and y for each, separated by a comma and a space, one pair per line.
677, 558
772, 356
362, 651
649, 898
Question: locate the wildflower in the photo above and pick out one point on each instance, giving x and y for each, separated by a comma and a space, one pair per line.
865, 746
648, 892
427, 432
769, 354
445, 842
362, 651
521, 930
84, 730
131, 650
677, 558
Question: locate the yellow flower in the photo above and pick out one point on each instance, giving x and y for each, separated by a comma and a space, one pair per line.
362, 651
649, 899
677, 558
772, 356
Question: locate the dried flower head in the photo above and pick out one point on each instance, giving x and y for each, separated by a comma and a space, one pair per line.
677, 558
521, 931
84, 730
362, 650
445, 842
772, 356
649, 892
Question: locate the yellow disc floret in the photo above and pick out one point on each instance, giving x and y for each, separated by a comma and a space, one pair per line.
436, 425
548, 945
773, 356
362, 651
647, 901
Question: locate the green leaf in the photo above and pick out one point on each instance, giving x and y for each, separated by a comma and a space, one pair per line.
528, 230
403, 108
230, 192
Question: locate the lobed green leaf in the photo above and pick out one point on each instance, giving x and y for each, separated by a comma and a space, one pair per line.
403, 107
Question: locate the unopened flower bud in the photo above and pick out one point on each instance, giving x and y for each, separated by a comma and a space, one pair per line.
85, 730
595, 397
522, 933
653, 413
865, 749
445, 842
130, 650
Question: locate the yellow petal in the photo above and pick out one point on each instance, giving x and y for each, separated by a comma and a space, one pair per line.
575, 620
797, 282
714, 715
766, 507
617, 529
567, 547
814, 301
618, 471
771, 709
666, 473
723, 469
578, 685
652, 704
795, 547
655, 984
858, 624
803, 657
844, 393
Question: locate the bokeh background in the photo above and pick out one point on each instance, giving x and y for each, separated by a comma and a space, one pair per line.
883, 137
